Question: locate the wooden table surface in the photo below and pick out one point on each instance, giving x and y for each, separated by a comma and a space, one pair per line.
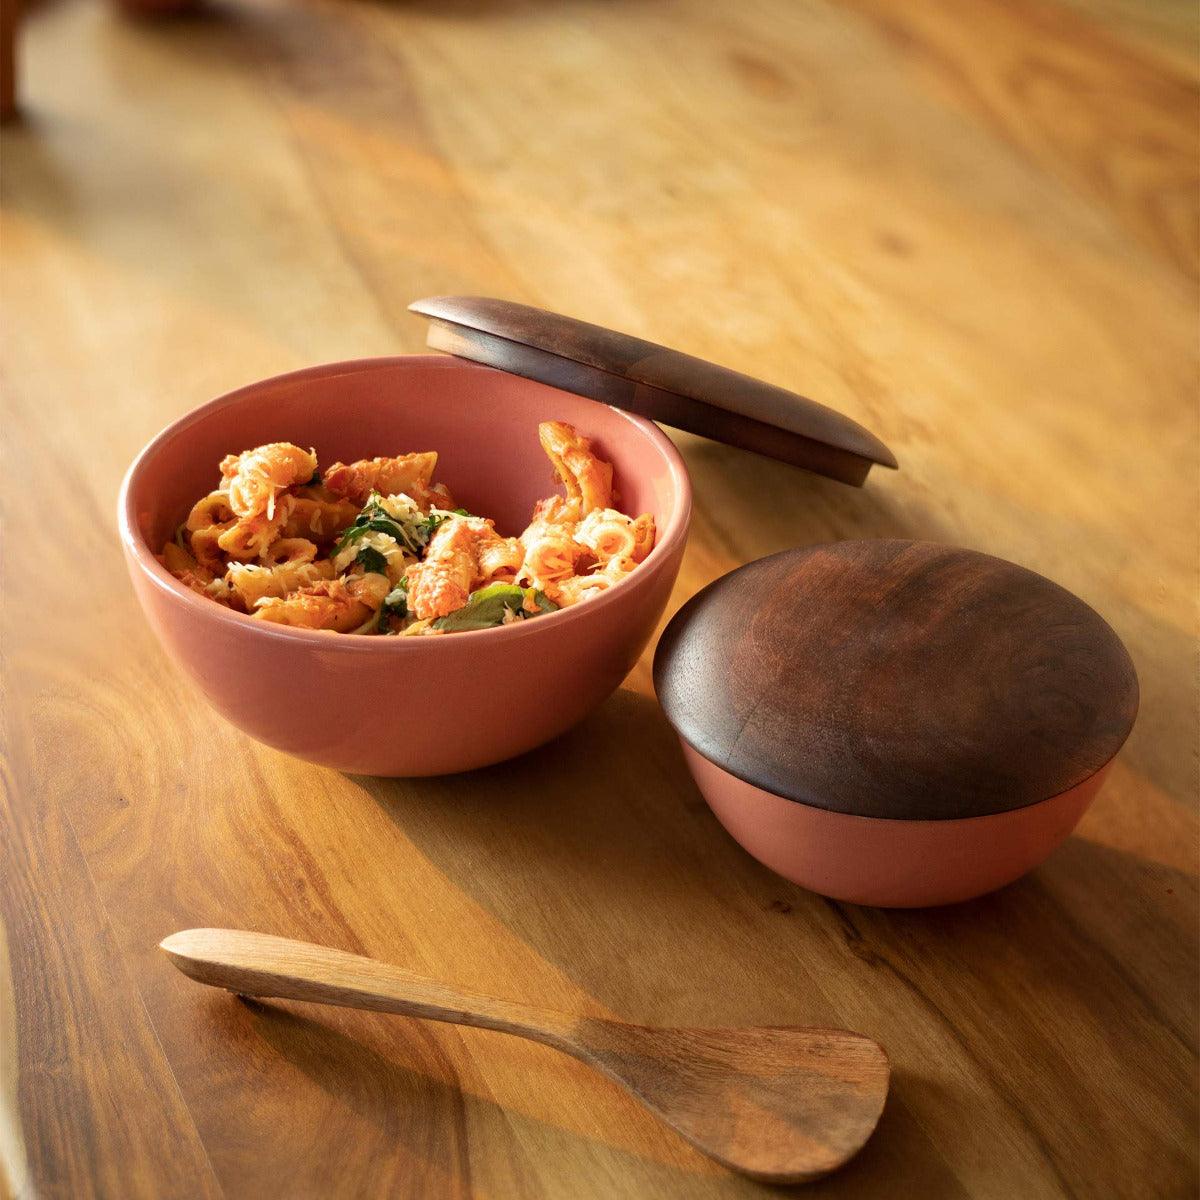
972, 227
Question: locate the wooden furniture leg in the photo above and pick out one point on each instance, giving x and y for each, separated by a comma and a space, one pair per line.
9, 15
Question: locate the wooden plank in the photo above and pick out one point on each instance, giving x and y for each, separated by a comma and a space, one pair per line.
1092, 109
89, 1105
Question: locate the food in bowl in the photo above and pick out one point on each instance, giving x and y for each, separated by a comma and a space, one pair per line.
377, 547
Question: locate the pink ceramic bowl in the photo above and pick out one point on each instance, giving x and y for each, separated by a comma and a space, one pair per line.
895, 723
889, 863
407, 706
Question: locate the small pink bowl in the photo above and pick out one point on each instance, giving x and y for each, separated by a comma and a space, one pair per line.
895, 723
888, 863
407, 706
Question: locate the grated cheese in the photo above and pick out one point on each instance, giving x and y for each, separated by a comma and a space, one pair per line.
399, 506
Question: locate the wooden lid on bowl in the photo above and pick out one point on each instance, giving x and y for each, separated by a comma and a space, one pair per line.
897, 679
664, 385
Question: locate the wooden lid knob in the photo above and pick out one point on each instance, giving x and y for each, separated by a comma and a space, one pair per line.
897, 679
664, 385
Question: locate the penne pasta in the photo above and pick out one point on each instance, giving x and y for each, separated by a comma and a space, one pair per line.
376, 547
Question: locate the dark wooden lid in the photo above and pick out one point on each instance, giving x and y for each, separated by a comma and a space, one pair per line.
897, 679
658, 383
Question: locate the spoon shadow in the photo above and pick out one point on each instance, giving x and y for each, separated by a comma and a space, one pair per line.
380, 1068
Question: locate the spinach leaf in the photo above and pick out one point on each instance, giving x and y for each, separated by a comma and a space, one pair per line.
365, 524
487, 607
411, 535
374, 519
435, 519
371, 560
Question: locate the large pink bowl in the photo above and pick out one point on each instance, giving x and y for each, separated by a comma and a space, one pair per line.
407, 706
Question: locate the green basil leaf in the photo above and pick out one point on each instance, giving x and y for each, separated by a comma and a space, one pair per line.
352, 534
487, 607
505, 591
484, 610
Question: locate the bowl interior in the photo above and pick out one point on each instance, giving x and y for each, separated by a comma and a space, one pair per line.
482, 422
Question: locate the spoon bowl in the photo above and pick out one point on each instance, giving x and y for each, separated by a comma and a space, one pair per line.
780, 1104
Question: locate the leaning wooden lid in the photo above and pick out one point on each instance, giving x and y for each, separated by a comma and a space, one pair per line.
897, 679
664, 385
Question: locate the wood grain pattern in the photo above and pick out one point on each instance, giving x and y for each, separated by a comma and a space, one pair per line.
81, 1041
1095, 112
782, 1105
898, 679
986, 284
675, 389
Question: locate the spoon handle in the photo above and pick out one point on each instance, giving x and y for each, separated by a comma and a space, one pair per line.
259, 964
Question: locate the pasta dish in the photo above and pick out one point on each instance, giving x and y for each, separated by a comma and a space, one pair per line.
377, 547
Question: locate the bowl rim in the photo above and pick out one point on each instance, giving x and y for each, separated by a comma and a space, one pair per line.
687, 745
138, 550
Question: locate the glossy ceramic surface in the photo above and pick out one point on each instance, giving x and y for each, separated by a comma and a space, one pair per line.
889, 863
407, 706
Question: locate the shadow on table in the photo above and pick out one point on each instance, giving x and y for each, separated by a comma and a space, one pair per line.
581, 846
617, 830
386, 1070
387, 1075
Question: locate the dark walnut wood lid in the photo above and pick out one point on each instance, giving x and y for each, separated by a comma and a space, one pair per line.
897, 679
664, 385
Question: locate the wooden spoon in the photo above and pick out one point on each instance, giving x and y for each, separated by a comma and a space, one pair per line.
780, 1104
